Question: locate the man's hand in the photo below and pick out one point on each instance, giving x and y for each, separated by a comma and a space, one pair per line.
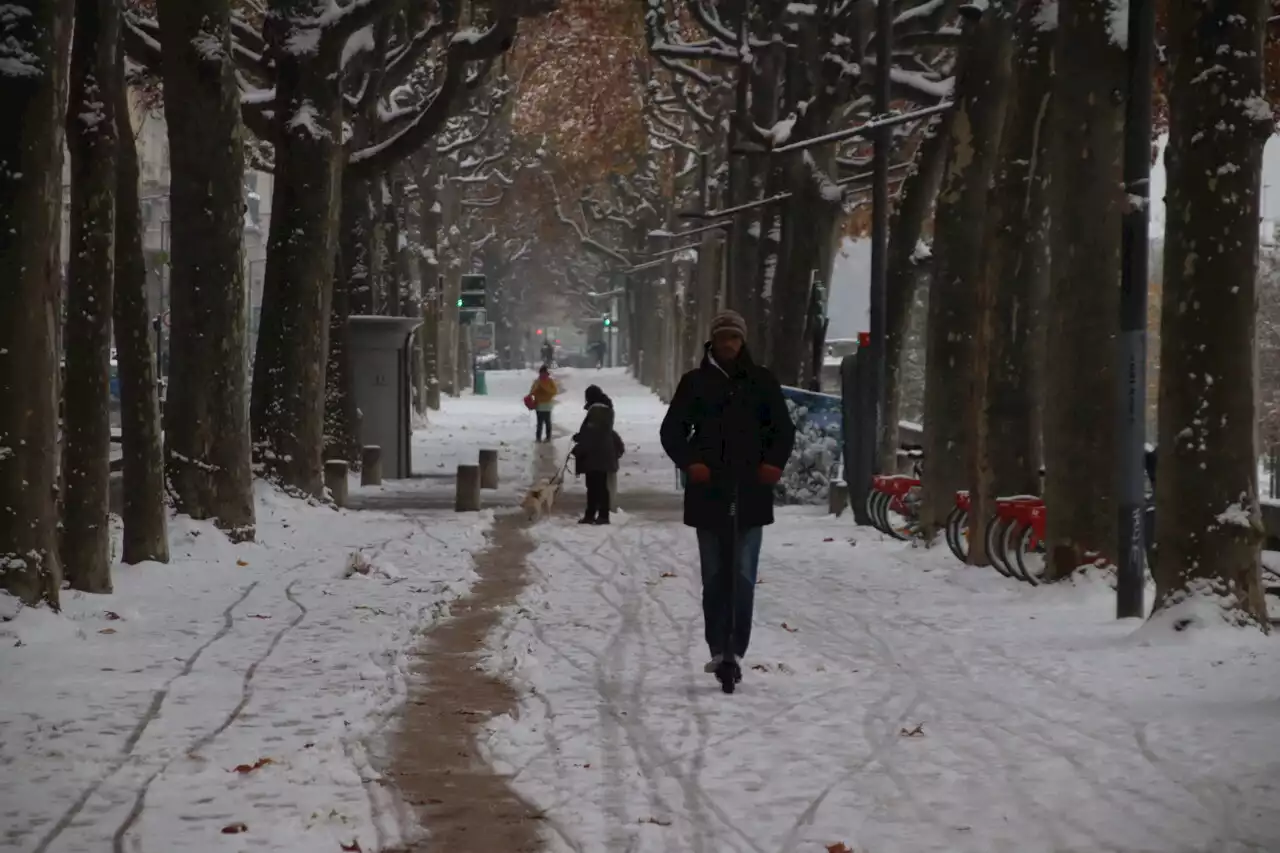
769, 474
699, 473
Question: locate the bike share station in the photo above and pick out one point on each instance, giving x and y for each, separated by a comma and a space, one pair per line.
380, 351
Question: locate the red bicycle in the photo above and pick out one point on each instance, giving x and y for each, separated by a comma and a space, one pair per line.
893, 505
1015, 538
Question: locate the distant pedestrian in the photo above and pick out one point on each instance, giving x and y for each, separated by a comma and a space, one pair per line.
543, 391
596, 451
548, 353
729, 429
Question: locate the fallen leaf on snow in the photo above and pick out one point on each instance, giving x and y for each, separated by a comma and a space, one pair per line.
249, 768
759, 667
829, 539
656, 821
112, 615
242, 563
353, 847
234, 829
839, 847
107, 631
918, 731
787, 627
259, 615
668, 574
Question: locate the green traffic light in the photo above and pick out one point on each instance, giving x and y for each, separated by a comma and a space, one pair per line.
459, 303
607, 321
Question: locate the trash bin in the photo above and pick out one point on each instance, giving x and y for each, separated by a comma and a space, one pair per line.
481, 386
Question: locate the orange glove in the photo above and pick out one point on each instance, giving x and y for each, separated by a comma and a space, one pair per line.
699, 473
769, 474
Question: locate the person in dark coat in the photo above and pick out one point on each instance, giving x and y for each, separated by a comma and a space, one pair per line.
729, 430
596, 451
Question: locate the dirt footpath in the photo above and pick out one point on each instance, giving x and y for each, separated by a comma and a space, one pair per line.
465, 806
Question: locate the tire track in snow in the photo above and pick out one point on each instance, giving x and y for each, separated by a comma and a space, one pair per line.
140, 727
246, 696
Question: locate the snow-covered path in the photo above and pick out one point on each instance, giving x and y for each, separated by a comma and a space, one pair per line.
893, 701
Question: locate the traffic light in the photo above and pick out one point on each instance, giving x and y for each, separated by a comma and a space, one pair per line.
471, 300
608, 321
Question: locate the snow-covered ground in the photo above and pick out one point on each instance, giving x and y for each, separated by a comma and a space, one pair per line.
236, 698
228, 700
893, 701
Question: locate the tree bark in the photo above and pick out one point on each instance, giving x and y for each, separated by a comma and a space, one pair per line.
972, 149
143, 511
907, 267
33, 96
86, 448
352, 294
206, 442
1084, 292
293, 340
1013, 280
1208, 526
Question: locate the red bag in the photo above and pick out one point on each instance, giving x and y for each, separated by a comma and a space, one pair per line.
529, 402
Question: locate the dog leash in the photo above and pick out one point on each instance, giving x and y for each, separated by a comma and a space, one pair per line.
559, 477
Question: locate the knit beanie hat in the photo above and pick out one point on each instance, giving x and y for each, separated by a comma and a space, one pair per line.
729, 321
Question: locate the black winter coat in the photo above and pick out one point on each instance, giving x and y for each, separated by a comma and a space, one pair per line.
597, 447
730, 422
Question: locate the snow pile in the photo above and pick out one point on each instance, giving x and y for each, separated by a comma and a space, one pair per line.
813, 462
242, 689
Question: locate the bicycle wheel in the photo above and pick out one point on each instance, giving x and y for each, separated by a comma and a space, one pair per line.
882, 513
994, 538
952, 531
897, 524
872, 496
1030, 560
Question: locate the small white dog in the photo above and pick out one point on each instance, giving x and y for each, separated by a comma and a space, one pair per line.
538, 500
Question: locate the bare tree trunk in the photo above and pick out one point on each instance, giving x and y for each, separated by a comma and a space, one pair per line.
86, 449
1208, 524
352, 294
143, 512
972, 149
428, 272
33, 97
1084, 293
907, 267
1006, 458
293, 339
206, 438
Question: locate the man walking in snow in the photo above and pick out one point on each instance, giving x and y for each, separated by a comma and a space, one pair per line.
729, 430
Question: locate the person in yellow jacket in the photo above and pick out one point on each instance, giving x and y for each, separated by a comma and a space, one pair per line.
543, 391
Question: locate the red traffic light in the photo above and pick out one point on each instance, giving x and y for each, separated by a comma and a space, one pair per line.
539, 331
864, 339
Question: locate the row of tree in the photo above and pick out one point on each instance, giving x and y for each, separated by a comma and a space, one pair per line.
368, 113
1007, 223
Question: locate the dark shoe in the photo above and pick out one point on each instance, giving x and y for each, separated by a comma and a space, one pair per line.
604, 520
586, 521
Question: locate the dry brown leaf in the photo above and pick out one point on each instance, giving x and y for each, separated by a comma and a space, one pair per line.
787, 627
112, 615
668, 574
839, 847
242, 563
353, 847
918, 731
234, 829
656, 821
107, 631
249, 768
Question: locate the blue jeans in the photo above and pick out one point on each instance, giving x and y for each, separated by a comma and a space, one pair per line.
716, 606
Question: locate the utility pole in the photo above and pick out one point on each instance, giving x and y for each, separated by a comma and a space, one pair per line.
1132, 385
871, 403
